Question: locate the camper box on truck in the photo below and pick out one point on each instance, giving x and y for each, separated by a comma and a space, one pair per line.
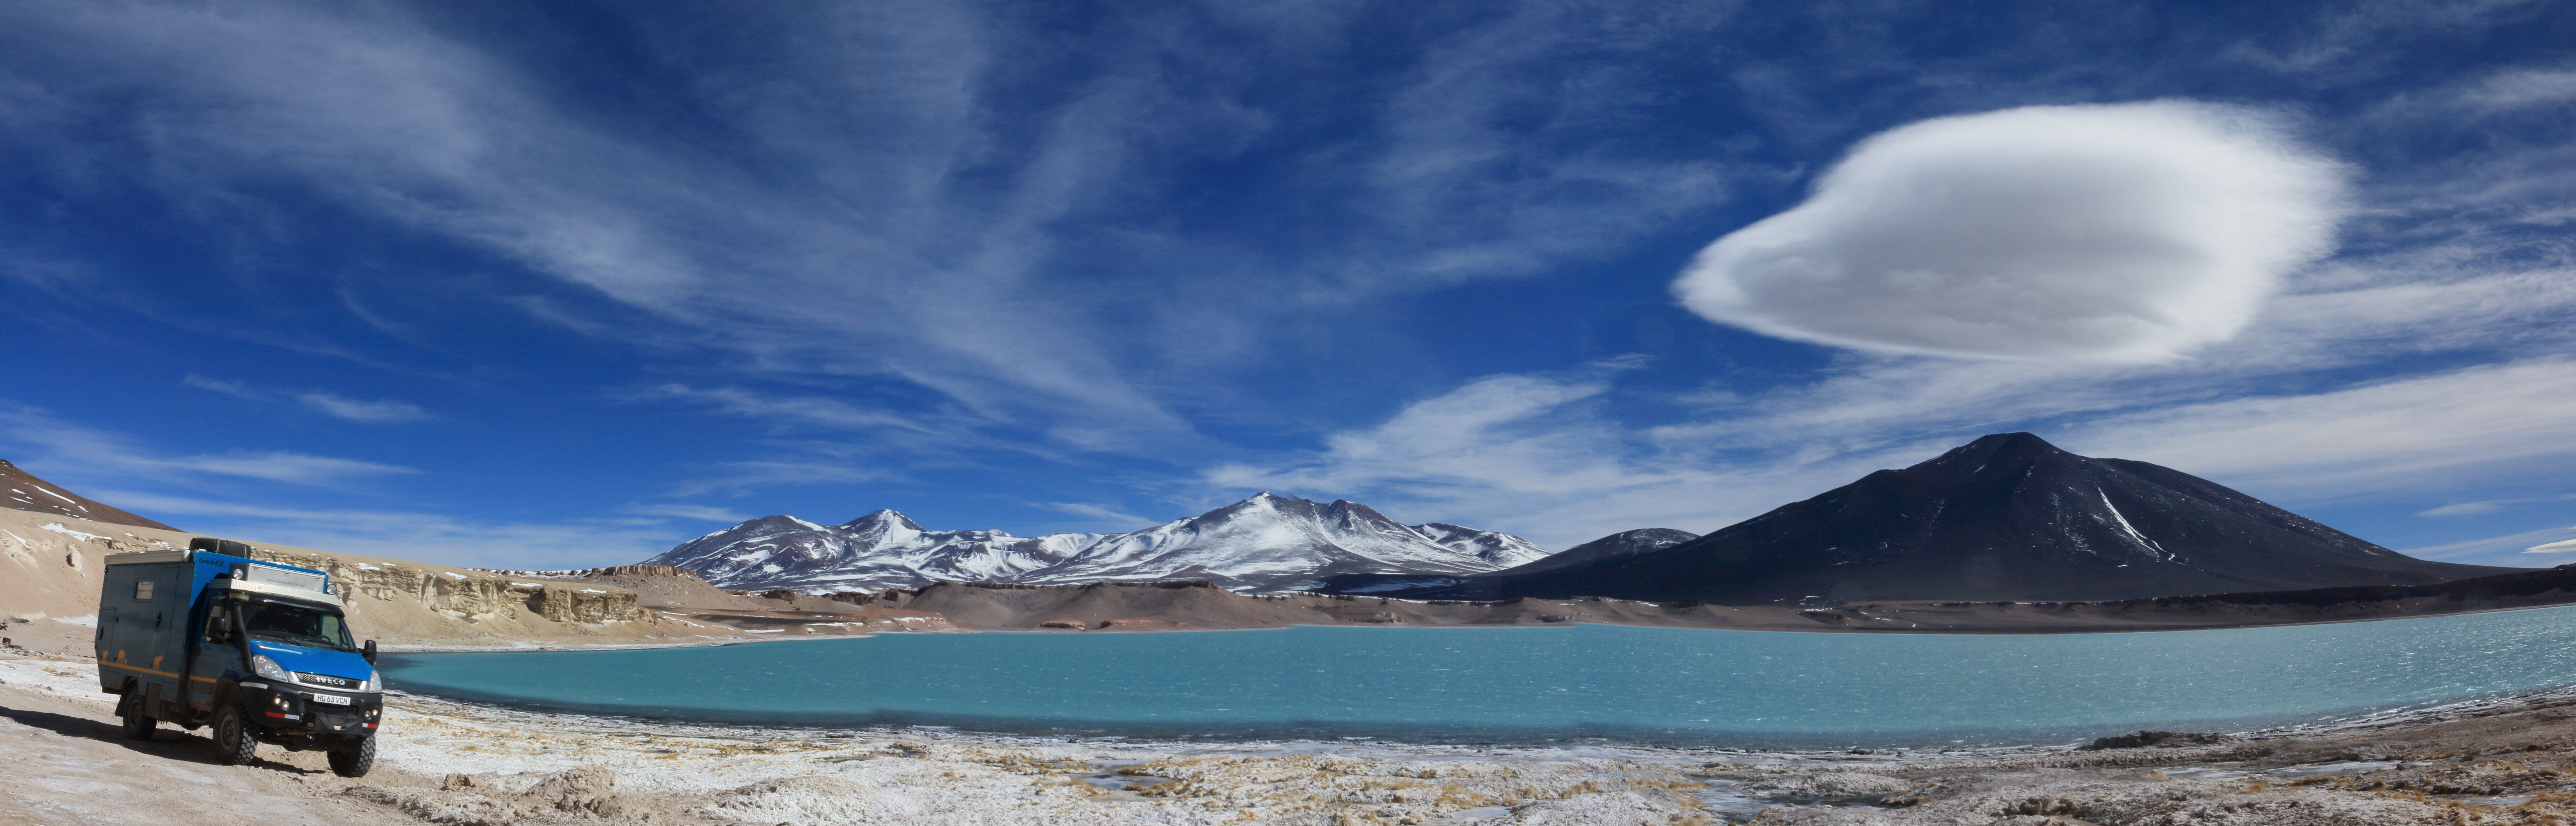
260, 651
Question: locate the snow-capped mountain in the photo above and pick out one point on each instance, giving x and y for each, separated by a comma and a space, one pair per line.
1501, 549
880, 550
1264, 543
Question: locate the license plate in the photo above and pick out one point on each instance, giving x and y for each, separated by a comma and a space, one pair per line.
331, 699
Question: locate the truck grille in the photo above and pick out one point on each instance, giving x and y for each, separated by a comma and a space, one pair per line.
325, 680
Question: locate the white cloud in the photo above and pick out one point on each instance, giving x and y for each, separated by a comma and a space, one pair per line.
91, 450
2508, 550
2416, 433
859, 206
358, 410
1535, 456
273, 465
2466, 508
2124, 233
2489, 506
234, 389
810, 411
2560, 547
326, 403
737, 476
2524, 88
1106, 517
104, 465
426, 537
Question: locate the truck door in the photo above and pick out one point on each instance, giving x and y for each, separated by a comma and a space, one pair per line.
215, 651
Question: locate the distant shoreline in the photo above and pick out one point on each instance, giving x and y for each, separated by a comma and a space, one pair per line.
1818, 628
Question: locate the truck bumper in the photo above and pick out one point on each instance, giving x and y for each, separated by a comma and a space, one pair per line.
287, 715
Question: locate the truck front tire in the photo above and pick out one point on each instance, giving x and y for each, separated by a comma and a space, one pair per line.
139, 725
354, 760
234, 742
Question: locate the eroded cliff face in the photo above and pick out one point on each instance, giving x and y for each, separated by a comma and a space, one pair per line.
468, 596
50, 566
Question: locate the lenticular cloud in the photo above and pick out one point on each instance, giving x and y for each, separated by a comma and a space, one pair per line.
2126, 233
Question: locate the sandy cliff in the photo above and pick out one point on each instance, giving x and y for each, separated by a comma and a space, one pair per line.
50, 568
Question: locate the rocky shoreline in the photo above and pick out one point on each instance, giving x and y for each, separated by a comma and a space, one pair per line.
2495, 761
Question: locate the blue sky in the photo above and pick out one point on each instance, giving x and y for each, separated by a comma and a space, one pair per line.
565, 284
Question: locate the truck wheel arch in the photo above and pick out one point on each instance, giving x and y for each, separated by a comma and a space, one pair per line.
227, 690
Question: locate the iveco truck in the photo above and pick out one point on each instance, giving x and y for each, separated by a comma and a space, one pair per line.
260, 651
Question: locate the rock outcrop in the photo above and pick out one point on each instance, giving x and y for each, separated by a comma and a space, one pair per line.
473, 596
53, 565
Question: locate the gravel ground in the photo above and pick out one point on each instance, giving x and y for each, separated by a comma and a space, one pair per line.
2498, 762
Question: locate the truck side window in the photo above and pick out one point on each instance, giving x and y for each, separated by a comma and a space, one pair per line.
143, 589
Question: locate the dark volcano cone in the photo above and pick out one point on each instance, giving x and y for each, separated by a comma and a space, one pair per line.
2006, 517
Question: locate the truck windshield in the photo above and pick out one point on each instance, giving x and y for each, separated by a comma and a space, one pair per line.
296, 625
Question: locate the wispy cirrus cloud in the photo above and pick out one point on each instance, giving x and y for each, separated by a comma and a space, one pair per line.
2527, 548
326, 403
1105, 517
362, 410
2487, 506
742, 477
704, 513
791, 411
884, 223
90, 450
429, 537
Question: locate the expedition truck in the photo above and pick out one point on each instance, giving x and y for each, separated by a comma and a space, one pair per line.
260, 651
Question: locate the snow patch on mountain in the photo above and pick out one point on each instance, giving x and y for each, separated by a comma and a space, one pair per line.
1264, 543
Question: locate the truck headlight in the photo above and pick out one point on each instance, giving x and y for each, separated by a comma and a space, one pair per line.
374, 683
268, 668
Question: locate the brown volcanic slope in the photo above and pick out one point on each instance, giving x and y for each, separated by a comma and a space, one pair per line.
23, 491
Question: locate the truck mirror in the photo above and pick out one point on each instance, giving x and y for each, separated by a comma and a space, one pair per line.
369, 651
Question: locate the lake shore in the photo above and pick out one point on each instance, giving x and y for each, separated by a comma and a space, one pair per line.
2492, 761
1127, 607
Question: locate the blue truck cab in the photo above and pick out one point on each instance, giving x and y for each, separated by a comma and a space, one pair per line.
260, 651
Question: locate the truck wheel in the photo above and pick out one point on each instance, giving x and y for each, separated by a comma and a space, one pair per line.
138, 724
234, 743
354, 760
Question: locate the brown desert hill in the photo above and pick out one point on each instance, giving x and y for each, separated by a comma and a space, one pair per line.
50, 570
679, 595
23, 491
1171, 605
2006, 517
1199, 605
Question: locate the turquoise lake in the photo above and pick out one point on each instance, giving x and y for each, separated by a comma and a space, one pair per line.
1540, 685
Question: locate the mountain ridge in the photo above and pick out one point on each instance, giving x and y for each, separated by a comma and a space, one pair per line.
1266, 542
2005, 517
24, 491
